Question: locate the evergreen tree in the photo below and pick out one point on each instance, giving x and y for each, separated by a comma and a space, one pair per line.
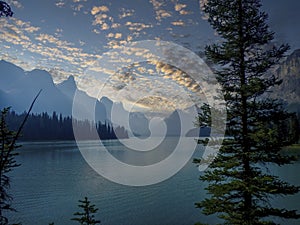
45, 127
5, 9
87, 216
7, 164
239, 187
294, 128
8, 148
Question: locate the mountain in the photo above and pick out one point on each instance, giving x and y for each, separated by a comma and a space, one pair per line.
108, 104
9, 75
139, 124
3, 97
135, 123
68, 87
18, 88
182, 123
289, 72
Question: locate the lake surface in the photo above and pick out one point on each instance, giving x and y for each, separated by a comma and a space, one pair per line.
54, 176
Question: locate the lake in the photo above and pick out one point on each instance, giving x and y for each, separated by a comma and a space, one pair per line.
54, 176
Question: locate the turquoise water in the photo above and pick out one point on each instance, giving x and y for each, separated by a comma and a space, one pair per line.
54, 176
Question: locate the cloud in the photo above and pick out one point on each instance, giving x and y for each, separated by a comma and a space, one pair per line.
78, 7
100, 19
156, 104
159, 11
178, 23
15, 31
96, 31
104, 26
172, 73
47, 38
96, 9
21, 25
202, 6
126, 13
179, 7
31, 29
155, 95
184, 12
45, 50
115, 27
141, 84
60, 4
118, 35
110, 35
161, 14
112, 25
15, 3
137, 26
115, 44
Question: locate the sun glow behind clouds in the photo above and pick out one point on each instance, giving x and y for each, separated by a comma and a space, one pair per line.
148, 76
162, 93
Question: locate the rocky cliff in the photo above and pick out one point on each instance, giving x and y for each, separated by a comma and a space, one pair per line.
289, 72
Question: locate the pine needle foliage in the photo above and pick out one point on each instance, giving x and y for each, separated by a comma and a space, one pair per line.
239, 187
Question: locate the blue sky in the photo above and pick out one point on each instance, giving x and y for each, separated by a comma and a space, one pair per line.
93, 27
65, 37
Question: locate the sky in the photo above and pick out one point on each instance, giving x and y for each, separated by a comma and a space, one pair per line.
69, 37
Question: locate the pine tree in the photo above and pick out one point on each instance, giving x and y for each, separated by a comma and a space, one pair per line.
239, 187
8, 146
87, 216
5, 10
7, 164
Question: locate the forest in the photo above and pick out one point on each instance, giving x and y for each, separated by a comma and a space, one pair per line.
58, 127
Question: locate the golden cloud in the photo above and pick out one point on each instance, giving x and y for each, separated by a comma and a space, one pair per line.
179, 7
178, 23
96, 9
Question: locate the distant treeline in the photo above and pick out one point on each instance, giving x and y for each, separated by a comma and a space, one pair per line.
57, 127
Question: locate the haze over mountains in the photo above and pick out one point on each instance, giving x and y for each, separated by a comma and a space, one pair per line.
18, 88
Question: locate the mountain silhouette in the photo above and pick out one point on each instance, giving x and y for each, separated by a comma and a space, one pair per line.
19, 87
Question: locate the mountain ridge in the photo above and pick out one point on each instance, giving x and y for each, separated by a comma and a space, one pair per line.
18, 88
